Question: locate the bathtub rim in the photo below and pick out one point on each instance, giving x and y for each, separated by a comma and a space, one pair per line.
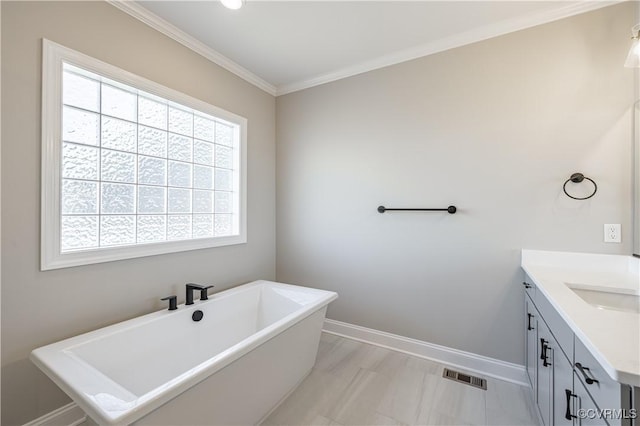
45, 357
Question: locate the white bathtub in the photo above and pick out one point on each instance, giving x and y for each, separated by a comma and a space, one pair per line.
254, 345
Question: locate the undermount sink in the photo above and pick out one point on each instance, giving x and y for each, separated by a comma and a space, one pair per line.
617, 299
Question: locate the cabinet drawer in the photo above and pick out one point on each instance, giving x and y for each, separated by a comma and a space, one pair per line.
559, 328
605, 391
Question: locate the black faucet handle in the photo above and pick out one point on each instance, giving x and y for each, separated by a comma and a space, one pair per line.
204, 295
173, 302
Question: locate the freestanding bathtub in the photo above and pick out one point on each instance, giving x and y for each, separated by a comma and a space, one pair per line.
253, 346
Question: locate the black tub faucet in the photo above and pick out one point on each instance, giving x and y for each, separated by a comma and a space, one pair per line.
203, 292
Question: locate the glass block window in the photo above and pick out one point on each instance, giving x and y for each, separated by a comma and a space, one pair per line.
139, 169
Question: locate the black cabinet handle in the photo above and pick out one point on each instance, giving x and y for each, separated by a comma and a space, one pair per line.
529, 316
543, 353
526, 284
567, 414
583, 370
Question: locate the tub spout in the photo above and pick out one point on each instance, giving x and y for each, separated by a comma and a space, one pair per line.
202, 289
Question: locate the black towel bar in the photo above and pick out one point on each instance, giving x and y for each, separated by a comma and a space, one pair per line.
450, 210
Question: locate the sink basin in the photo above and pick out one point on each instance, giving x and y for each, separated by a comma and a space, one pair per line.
617, 299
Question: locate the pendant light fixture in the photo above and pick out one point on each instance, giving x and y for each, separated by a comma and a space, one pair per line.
232, 4
633, 58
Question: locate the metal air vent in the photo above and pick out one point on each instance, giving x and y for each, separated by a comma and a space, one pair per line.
467, 379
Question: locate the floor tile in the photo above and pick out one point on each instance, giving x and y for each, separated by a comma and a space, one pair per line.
315, 395
354, 383
425, 365
508, 404
403, 395
429, 386
327, 342
461, 401
358, 403
379, 419
383, 361
323, 421
444, 420
343, 358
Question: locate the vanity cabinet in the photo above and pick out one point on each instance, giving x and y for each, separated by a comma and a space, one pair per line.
549, 370
570, 387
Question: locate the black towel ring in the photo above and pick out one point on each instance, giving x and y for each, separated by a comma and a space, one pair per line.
577, 178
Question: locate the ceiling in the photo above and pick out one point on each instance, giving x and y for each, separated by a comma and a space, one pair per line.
284, 46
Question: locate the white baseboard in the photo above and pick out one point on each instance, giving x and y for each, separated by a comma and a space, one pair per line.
483, 365
68, 415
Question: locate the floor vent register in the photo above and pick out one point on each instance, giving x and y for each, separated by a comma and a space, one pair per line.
465, 378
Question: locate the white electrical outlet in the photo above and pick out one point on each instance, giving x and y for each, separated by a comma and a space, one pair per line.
612, 233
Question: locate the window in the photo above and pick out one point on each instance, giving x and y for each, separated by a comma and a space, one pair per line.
132, 168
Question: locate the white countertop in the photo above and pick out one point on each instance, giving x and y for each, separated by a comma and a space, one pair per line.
613, 337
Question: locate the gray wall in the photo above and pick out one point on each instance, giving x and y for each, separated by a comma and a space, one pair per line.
43, 307
494, 128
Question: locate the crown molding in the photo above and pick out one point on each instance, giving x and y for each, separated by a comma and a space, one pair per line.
458, 40
159, 24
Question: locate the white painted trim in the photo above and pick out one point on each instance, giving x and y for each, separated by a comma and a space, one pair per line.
458, 40
68, 415
482, 365
53, 56
473, 36
159, 24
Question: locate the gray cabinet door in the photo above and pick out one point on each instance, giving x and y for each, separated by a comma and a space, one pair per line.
531, 335
585, 409
545, 373
562, 382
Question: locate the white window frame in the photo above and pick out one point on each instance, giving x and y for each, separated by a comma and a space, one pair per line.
53, 56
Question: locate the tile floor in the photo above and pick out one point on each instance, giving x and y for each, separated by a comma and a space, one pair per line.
353, 383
